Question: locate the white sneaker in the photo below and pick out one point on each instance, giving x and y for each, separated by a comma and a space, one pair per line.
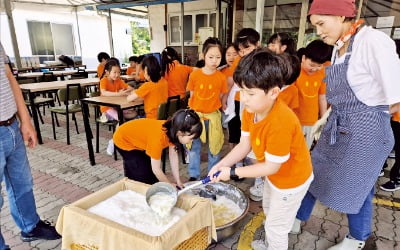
348, 244
296, 228
110, 147
256, 191
259, 245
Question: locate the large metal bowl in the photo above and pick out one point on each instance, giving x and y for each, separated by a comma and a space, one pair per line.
231, 192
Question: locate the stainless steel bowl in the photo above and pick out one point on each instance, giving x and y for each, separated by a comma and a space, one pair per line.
231, 192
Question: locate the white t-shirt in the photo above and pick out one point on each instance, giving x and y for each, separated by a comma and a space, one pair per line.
374, 68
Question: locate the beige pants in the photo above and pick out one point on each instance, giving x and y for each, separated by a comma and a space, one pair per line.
307, 135
280, 210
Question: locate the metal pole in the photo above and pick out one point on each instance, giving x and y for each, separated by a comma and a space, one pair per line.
166, 23
302, 24
360, 5
182, 32
273, 18
260, 17
110, 36
7, 5
77, 28
217, 17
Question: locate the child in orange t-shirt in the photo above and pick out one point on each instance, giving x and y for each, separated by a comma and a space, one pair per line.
155, 91
102, 57
141, 142
175, 73
273, 132
112, 85
312, 88
289, 93
131, 70
139, 75
206, 86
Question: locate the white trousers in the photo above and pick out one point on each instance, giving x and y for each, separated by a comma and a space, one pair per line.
280, 210
307, 135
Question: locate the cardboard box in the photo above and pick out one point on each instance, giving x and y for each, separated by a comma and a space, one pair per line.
81, 229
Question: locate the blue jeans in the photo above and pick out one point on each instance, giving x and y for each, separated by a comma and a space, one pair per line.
359, 224
194, 156
15, 170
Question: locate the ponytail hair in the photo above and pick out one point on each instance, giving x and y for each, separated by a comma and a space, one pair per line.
168, 56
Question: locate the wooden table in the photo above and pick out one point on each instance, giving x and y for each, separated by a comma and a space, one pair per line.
127, 77
32, 88
117, 102
60, 73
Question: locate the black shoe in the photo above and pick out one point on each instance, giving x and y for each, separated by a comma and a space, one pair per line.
390, 186
192, 179
42, 231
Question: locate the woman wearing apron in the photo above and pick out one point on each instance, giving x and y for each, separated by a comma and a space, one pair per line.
362, 89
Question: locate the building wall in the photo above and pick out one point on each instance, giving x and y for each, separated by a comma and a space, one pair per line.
92, 28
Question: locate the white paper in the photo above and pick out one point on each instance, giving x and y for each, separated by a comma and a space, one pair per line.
385, 22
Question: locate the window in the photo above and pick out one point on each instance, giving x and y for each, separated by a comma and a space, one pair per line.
192, 23
50, 38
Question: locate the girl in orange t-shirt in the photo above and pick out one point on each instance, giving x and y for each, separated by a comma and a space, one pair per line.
131, 70
155, 91
112, 85
207, 87
141, 142
273, 132
175, 73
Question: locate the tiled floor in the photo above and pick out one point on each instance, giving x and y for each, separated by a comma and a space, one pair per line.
62, 174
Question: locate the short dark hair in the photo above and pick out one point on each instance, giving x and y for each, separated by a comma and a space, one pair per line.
103, 55
133, 59
295, 67
184, 120
210, 43
318, 51
153, 68
284, 39
263, 70
247, 36
140, 58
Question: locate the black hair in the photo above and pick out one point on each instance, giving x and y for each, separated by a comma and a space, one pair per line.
210, 43
184, 120
200, 63
300, 52
133, 59
318, 51
153, 68
168, 56
295, 67
67, 60
397, 43
102, 55
263, 70
112, 62
140, 58
247, 36
284, 39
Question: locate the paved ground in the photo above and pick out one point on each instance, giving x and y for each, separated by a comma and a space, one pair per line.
62, 174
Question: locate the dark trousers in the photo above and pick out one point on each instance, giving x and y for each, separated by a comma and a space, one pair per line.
395, 171
234, 125
137, 166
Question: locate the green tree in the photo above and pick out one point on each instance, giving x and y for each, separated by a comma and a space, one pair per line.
140, 39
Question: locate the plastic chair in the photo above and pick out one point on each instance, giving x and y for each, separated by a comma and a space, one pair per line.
73, 92
50, 77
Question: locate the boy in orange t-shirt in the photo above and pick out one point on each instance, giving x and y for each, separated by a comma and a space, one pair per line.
102, 57
312, 88
273, 132
141, 142
155, 91
131, 70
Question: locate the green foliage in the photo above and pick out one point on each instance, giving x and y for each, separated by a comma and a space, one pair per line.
140, 39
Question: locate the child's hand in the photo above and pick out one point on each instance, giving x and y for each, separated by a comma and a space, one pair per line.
224, 175
212, 171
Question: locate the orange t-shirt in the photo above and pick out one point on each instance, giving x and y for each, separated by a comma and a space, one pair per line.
396, 117
206, 90
310, 87
153, 94
177, 78
130, 70
278, 138
141, 75
142, 134
100, 70
115, 86
290, 96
